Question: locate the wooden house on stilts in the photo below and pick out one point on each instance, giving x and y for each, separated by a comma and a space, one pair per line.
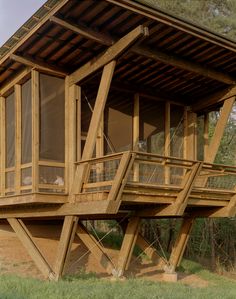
100, 108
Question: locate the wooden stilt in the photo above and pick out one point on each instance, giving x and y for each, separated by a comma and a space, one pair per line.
27, 240
95, 248
127, 247
64, 247
180, 244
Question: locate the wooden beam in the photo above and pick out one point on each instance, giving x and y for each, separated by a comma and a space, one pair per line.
84, 31
27, 240
215, 99
180, 243
109, 55
157, 55
65, 243
219, 130
127, 247
39, 65
94, 123
183, 63
167, 144
95, 248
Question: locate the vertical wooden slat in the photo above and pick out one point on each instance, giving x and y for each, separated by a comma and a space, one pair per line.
3, 143
35, 130
136, 133
192, 136
17, 138
167, 140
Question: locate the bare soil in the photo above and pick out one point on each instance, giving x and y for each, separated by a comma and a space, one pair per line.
14, 258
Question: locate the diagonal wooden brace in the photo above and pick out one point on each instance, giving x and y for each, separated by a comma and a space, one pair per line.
95, 248
112, 53
27, 240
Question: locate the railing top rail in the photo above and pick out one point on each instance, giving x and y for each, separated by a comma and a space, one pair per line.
206, 165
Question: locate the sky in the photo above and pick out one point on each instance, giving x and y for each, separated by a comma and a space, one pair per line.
13, 14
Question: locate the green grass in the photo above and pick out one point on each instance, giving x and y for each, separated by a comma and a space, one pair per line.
86, 286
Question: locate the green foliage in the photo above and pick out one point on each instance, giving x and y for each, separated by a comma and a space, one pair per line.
217, 15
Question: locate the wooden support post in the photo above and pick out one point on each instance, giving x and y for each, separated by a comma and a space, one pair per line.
27, 240
95, 248
94, 124
219, 130
150, 251
3, 144
73, 131
191, 151
136, 133
17, 138
180, 244
65, 243
127, 247
35, 131
206, 134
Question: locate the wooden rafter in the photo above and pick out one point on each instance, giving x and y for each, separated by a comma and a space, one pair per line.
112, 53
215, 99
38, 65
27, 240
156, 55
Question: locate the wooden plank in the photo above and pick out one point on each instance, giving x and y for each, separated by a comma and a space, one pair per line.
35, 130
27, 241
180, 243
219, 130
17, 88
95, 248
156, 55
64, 246
127, 247
191, 150
3, 145
40, 66
109, 55
94, 123
206, 134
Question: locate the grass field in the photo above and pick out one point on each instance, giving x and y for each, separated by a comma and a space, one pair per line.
87, 286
